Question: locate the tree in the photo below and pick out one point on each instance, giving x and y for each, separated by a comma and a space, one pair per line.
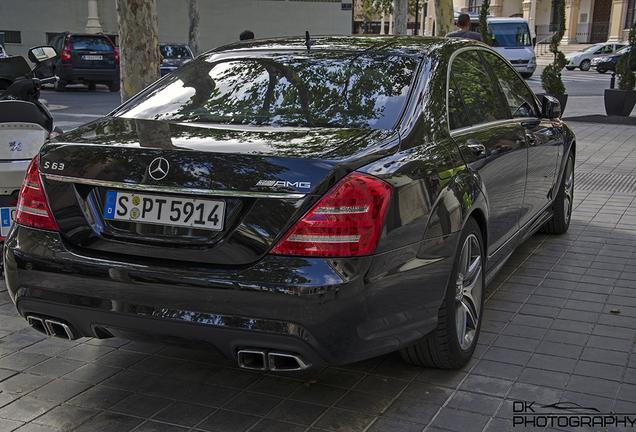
626, 77
444, 17
400, 8
551, 76
193, 32
486, 35
140, 58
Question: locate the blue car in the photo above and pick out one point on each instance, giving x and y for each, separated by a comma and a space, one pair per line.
608, 62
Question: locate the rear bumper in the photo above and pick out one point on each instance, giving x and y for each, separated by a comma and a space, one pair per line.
328, 311
74, 75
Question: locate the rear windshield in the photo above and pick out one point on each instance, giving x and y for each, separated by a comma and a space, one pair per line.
346, 90
510, 34
90, 43
175, 51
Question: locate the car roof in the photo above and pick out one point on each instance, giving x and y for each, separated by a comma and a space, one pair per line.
419, 46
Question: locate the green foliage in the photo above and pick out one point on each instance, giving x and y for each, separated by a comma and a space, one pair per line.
626, 77
484, 30
551, 76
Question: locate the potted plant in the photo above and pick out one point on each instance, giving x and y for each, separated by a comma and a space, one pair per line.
551, 80
620, 102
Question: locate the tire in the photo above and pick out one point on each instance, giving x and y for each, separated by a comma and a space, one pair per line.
113, 86
562, 207
59, 86
585, 65
527, 75
92, 86
452, 343
570, 67
601, 70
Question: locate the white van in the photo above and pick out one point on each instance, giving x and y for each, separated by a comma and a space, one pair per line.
513, 40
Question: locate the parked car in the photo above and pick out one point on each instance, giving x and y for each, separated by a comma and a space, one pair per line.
583, 59
174, 55
607, 62
294, 202
89, 59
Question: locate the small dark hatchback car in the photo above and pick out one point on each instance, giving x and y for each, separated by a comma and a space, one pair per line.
89, 59
295, 202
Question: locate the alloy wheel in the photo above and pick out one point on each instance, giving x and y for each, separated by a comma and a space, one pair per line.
469, 289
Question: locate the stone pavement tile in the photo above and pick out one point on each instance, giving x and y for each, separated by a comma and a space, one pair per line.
154, 426
183, 413
595, 370
6, 374
301, 412
234, 378
627, 392
532, 321
140, 405
529, 392
130, 380
121, 358
460, 421
573, 326
339, 377
497, 369
384, 424
20, 361
559, 349
549, 301
100, 397
19, 340
506, 355
210, 395
192, 371
32, 427
593, 386
60, 390
396, 368
54, 367
23, 383
168, 386
516, 343
604, 356
502, 305
157, 365
342, 420
110, 422
568, 337
142, 347
381, 386
500, 425
252, 403
93, 373
620, 320
66, 417
486, 385
26, 409
50, 346
584, 305
267, 425
434, 394
473, 402
318, 393
85, 352
363, 402
276, 385
630, 376
543, 378
619, 300
412, 410
609, 343
9, 425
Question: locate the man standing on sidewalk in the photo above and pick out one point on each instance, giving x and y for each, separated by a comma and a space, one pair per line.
463, 22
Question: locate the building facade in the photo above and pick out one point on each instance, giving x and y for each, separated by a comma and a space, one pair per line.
28, 23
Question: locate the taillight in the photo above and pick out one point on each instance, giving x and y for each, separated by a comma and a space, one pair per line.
32, 209
346, 222
66, 54
116, 55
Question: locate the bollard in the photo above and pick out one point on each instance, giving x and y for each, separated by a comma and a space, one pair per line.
613, 80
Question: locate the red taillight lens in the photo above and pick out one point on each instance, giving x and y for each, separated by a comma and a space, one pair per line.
346, 222
32, 209
66, 54
116, 55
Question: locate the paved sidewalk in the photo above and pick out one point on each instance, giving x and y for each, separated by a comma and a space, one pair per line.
559, 327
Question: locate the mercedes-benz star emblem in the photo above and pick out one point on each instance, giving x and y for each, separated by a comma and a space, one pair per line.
158, 168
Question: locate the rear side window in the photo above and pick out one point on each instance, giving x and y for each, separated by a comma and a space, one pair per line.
518, 96
175, 51
90, 43
476, 89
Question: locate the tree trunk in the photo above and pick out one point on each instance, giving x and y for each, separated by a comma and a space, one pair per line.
401, 14
193, 32
138, 45
444, 17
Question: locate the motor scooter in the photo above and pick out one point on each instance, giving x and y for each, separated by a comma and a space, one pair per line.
25, 125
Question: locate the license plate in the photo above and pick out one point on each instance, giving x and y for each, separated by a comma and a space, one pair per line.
165, 210
92, 57
6, 218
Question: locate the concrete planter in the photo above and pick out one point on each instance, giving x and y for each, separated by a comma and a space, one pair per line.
619, 102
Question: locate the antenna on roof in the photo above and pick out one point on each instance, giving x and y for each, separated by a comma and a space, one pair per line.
308, 42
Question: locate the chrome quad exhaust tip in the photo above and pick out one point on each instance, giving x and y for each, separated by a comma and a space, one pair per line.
263, 360
51, 327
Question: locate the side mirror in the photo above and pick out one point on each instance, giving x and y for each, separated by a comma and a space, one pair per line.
550, 107
40, 53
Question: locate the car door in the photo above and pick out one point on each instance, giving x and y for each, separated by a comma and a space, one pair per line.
492, 144
544, 138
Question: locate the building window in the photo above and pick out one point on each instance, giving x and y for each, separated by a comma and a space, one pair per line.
474, 6
12, 37
629, 19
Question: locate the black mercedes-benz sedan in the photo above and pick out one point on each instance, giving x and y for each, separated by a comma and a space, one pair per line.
295, 202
